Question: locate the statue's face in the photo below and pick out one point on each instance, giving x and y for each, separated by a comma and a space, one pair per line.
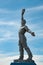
22, 23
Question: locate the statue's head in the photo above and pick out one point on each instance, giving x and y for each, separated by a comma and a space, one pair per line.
23, 22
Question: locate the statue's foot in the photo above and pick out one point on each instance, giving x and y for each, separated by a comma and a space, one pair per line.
28, 60
18, 60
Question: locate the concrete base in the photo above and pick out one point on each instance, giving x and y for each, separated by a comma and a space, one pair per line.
23, 63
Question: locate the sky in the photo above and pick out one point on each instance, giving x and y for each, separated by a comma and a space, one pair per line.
10, 21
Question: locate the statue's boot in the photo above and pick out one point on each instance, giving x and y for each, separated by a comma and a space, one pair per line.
18, 60
29, 59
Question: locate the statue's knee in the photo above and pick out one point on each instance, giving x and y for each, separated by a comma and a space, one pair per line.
20, 47
26, 47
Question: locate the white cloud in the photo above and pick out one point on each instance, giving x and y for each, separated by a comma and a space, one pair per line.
5, 11
35, 8
10, 23
16, 11
7, 60
9, 34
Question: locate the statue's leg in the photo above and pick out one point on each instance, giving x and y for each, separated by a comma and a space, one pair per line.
21, 51
27, 50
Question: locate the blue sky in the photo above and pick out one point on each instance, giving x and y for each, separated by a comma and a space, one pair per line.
10, 19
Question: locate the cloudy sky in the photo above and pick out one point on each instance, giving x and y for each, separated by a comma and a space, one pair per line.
10, 21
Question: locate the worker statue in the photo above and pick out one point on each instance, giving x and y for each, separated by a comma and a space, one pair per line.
22, 39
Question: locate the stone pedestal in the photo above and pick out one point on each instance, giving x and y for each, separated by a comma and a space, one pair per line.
23, 63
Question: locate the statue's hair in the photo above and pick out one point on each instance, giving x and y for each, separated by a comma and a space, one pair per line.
24, 21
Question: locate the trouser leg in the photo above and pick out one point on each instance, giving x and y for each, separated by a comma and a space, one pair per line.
27, 50
21, 50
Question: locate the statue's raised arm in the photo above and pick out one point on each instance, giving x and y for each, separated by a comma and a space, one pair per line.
23, 11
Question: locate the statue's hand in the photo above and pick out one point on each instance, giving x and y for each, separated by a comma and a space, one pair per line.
33, 34
23, 10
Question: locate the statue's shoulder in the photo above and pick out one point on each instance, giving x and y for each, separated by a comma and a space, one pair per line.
26, 26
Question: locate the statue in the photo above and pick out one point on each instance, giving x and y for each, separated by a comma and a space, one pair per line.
22, 39
23, 44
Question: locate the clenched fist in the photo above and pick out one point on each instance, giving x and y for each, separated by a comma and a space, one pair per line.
23, 10
33, 34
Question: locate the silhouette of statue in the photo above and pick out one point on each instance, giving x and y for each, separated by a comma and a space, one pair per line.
22, 39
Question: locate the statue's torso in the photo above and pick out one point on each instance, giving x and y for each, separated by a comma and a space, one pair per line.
21, 34
22, 30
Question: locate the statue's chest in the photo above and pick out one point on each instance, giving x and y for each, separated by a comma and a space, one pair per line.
22, 29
